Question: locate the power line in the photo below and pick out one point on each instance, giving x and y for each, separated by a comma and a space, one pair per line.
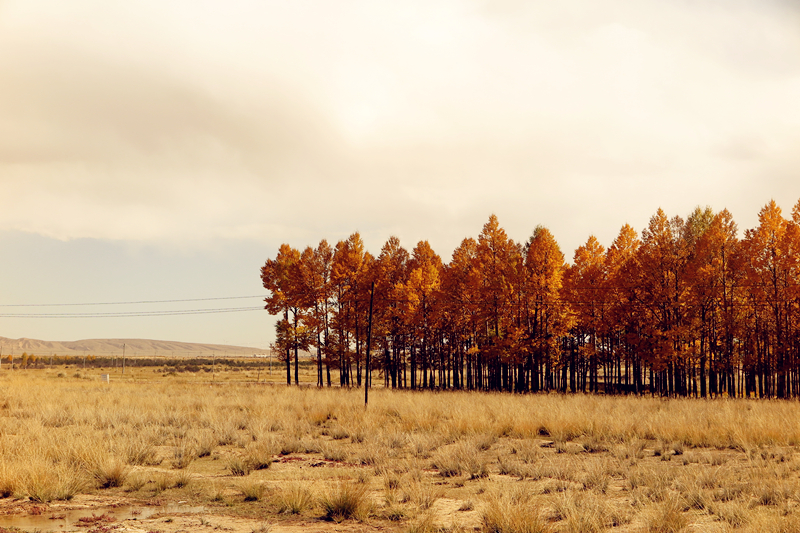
131, 313
138, 302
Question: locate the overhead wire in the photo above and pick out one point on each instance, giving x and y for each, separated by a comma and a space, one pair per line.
131, 313
137, 302
125, 314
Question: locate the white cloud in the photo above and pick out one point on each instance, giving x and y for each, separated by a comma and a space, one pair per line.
178, 121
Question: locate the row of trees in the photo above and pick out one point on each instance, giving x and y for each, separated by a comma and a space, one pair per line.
687, 308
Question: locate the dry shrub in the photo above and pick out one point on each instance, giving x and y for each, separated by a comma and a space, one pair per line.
593, 444
596, 475
527, 451
370, 455
251, 490
110, 472
394, 513
582, 513
666, 518
183, 454
732, 513
422, 494
555, 485
358, 435
10, 479
181, 479
511, 468
139, 451
391, 481
484, 442
771, 524
422, 446
415, 428
504, 515
461, 458
395, 440
290, 445
44, 482
336, 453
632, 449
258, 455
651, 483
215, 492
294, 498
345, 500
135, 482
772, 493
712, 478
693, 496
337, 432
426, 523
205, 443
163, 481
238, 466
226, 432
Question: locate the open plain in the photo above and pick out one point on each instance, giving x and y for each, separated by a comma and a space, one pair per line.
156, 451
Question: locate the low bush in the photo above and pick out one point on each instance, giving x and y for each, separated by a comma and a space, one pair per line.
344, 501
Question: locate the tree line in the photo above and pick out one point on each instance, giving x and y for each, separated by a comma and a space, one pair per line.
687, 308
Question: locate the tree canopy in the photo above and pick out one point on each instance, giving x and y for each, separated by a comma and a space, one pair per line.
687, 308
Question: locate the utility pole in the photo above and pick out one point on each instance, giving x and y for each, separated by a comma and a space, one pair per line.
369, 342
123, 358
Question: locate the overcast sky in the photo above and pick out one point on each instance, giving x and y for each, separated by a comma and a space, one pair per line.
158, 150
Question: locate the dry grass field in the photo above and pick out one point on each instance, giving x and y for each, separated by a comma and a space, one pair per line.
181, 454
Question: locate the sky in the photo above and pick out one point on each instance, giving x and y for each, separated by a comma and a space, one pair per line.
163, 150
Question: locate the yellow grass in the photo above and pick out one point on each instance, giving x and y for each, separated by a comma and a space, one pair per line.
416, 461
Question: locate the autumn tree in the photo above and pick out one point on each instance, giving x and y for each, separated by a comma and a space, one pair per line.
283, 278
315, 278
391, 275
419, 292
547, 315
497, 258
622, 319
662, 291
350, 283
586, 290
687, 309
714, 299
461, 308
771, 268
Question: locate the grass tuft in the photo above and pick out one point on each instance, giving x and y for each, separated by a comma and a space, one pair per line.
345, 501
294, 498
504, 514
252, 490
239, 466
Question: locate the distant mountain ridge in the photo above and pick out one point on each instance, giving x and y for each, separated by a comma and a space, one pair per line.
111, 347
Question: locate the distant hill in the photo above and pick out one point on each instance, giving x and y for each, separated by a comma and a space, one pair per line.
133, 348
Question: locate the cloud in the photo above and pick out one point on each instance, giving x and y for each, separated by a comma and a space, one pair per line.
188, 122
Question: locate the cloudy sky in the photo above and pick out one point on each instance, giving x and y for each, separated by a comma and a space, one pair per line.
163, 150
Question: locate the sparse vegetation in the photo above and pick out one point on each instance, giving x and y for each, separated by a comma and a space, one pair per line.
345, 500
411, 461
294, 498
